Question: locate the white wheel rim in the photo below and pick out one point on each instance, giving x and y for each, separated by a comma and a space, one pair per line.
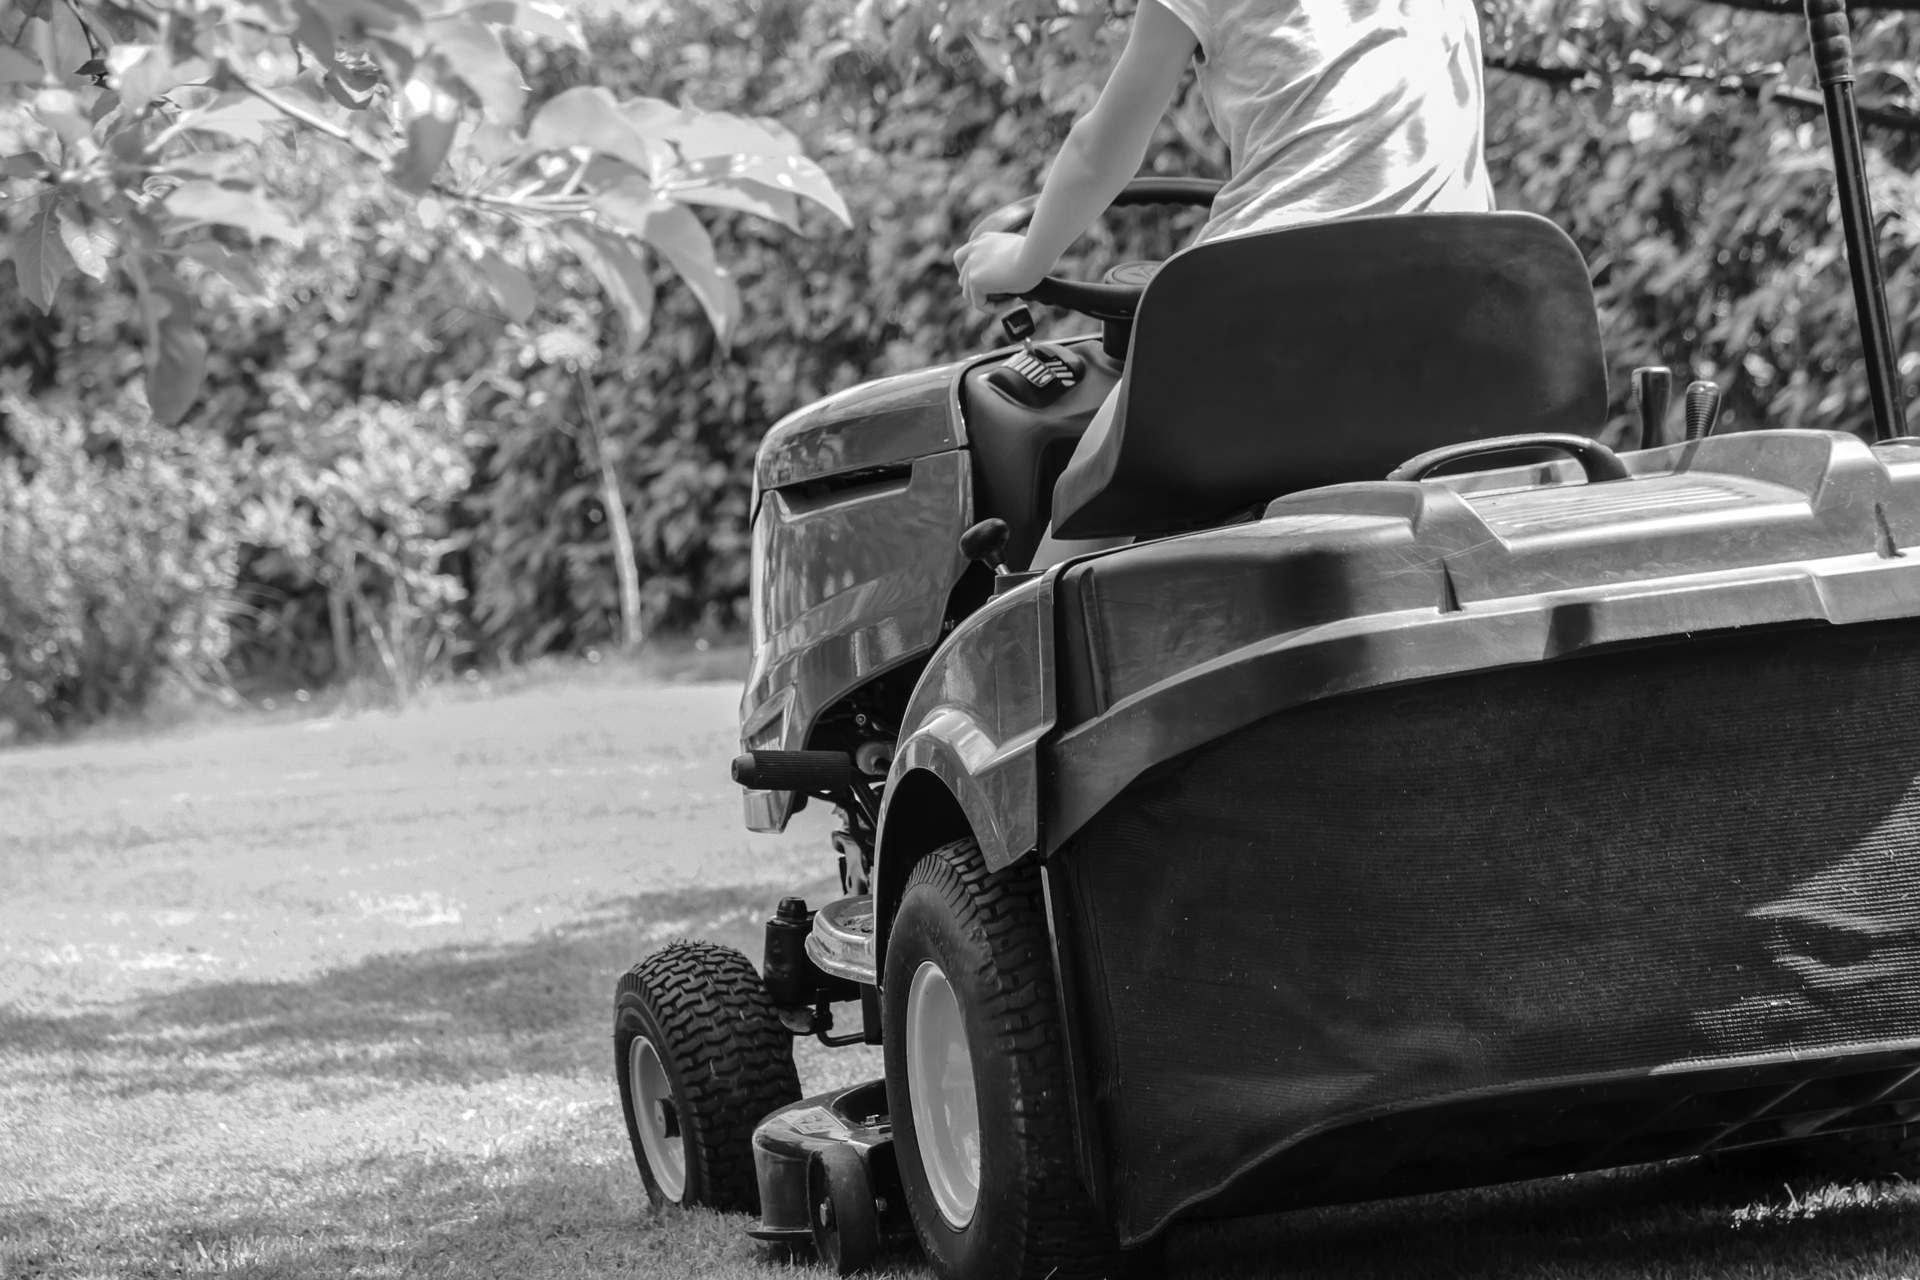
657, 1118
946, 1113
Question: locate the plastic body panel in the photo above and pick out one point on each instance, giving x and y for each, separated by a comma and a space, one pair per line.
1555, 901
1168, 645
1018, 451
976, 720
785, 1142
847, 586
875, 424
860, 500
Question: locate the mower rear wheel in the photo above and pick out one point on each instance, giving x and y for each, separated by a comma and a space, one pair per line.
978, 1080
701, 1058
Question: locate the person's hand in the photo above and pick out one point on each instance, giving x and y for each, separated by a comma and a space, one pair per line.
991, 264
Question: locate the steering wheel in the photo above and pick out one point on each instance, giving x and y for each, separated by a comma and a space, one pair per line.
1101, 301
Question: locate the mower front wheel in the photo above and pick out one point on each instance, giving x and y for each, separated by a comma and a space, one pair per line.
978, 1081
701, 1058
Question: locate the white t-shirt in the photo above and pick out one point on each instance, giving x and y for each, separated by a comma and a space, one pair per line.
1341, 108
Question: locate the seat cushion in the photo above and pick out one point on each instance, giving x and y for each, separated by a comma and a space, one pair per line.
1322, 354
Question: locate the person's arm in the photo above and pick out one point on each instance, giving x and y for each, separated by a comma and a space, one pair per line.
1102, 152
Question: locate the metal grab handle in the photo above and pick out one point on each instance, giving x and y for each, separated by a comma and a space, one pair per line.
1830, 31
1599, 462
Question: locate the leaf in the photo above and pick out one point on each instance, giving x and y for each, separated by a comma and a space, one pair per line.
67, 47
677, 234
24, 164
621, 273
89, 245
39, 259
589, 117
17, 68
317, 34
715, 133
337, 90
532, 16
791, 175
177, 365
493, 143
511, 286
474, 54
682, 241
208, 164
60, 111
238, 115
766, 202
233, 268
153, 75
357, 17
429, 138
202, 201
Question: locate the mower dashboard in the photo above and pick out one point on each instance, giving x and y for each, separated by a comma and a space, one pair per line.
1025, 409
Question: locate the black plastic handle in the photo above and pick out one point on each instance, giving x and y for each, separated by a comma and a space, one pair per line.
1831, 29
1599, 462
811, 771
1652, 394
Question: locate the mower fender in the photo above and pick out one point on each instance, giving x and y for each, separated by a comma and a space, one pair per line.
973, 728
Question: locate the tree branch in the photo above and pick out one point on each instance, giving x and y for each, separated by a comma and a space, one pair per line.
1797, 8
321, 124
1752, 84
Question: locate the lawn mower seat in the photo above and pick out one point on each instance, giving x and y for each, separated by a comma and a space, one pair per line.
1333, 352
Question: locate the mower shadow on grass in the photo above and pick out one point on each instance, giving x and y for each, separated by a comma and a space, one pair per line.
458, 1019
453, 1014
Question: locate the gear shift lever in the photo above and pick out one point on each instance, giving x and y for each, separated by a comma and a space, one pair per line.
1653, 392
1703, 410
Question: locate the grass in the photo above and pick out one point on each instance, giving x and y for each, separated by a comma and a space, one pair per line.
318, 994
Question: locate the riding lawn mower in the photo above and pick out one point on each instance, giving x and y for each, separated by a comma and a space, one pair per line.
1427, 795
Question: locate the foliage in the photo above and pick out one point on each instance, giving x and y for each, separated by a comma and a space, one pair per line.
1673, 140
356, 504
141, 122
119, 558
153, 152
1689, 160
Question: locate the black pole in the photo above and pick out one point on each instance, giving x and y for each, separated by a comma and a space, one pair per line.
1833, 61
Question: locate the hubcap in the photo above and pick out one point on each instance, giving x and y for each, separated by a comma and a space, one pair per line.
946, 1114
657, 1119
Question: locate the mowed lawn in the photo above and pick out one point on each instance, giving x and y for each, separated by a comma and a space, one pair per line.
316, 994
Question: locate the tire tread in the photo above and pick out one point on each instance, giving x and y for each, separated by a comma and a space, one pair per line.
1060, 1232
731, 1059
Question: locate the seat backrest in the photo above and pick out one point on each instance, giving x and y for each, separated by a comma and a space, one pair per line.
1320, 354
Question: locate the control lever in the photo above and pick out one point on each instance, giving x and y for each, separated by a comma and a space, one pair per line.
1040, 372
987, 543
1703, 410
1018, 324
1653, 393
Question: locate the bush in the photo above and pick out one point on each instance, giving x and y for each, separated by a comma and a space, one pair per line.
118, 549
